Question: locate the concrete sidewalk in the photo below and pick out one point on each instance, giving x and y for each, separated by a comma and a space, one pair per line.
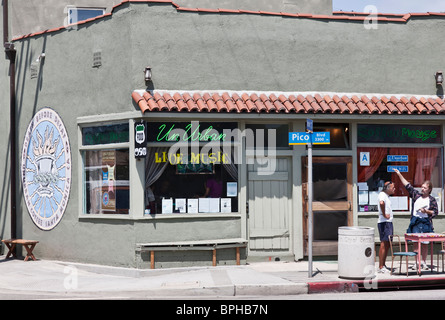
45, 278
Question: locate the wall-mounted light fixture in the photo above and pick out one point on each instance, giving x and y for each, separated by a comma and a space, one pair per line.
147, 73
439, 77
40, 57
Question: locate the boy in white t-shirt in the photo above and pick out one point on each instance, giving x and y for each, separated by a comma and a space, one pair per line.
384, 224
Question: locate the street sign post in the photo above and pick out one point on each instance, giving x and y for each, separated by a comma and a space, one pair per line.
309, 138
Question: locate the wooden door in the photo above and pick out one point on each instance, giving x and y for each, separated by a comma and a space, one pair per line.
332, 202
269, 209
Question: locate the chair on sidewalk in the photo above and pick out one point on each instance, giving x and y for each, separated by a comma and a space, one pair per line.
398, 252
441, 252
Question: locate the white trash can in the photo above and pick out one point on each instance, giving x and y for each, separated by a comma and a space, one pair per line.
356, 252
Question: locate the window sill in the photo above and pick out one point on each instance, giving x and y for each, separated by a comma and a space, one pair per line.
160, 216
189, 216
105, 216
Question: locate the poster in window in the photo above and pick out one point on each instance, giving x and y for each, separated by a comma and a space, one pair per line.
167, 205
204, 204
226, 205
108, 181
180, 205
192, 205
232, 189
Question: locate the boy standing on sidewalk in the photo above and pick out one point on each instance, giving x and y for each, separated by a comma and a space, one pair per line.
384, 224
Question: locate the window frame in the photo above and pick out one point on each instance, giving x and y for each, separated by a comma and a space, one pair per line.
100, 147
235, 145
71, 9
440, 147
136, 167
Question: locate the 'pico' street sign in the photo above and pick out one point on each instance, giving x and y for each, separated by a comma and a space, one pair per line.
298, 138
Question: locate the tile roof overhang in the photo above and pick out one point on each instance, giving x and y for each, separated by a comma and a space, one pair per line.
285, 102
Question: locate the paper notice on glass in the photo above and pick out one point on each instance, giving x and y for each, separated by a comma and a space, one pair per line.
403, 203
180, 205
226, 205
373, 198
399, 203
167, 205
214, 205
232, 189
363, 198
204, 205
192, 205
362, 186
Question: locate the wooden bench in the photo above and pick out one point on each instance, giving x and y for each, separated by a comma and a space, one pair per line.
193, 245
28, 244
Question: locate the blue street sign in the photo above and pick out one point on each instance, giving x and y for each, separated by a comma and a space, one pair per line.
296, 138
299, 138
400, 168
309, 125
321, 137
397, 158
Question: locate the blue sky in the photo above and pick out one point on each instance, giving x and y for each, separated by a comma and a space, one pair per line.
390, 6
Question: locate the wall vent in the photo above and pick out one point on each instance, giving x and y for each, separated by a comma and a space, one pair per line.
34, 70
97, 59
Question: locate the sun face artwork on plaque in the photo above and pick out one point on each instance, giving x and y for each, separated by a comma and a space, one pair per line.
46, 169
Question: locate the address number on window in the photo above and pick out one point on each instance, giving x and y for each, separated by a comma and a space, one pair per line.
140, 152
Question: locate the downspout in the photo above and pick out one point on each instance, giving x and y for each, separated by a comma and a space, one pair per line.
11, 55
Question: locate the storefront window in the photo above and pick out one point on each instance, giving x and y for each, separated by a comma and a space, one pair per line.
191, 167
398, 133
339, 134
267, 136
113, 133
107, 187
375, 166
195, 182
106, 174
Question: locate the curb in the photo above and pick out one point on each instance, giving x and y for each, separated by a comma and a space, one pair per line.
271, 289
332, 287
375, 284
232, 290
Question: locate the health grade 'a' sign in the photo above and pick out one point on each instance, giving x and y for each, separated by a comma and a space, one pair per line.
298, 138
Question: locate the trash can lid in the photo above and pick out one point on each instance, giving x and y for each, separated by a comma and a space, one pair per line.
356, 231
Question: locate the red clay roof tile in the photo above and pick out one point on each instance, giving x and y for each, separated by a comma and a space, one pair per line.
332, 104
306, 105
370, 105
362, 107
243, 102
239, 103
